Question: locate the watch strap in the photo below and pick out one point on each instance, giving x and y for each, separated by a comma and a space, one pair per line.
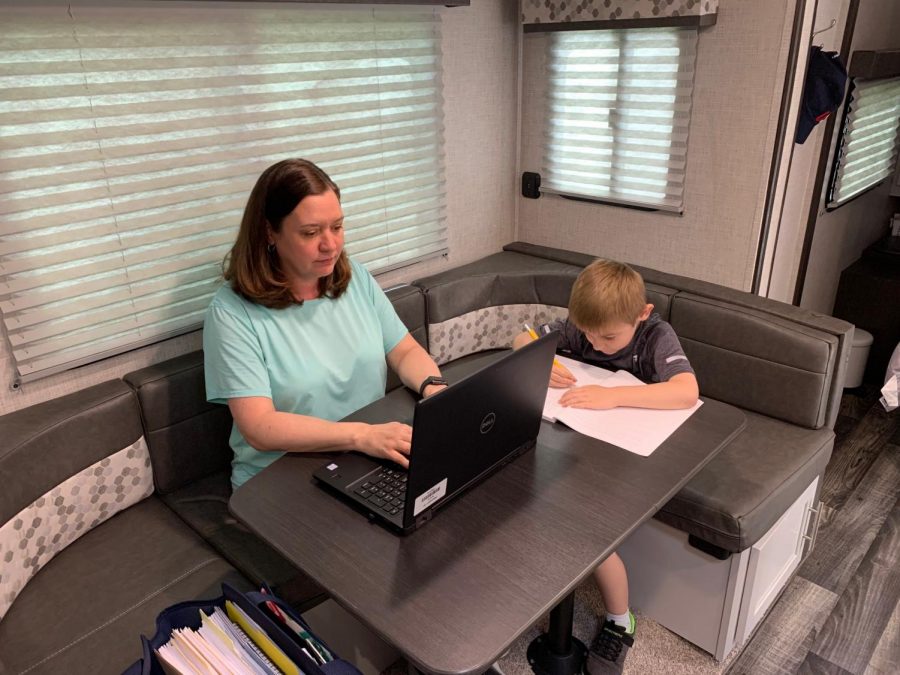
431, 379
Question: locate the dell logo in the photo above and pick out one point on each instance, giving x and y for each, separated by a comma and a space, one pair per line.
488, 423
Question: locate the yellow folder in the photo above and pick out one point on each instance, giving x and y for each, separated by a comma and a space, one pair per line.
263, 641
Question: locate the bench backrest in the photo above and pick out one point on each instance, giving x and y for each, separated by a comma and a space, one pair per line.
757, 361
68, 465
188, 437
759, 354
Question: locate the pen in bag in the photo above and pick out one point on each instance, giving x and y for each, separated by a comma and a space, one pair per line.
317, 646
322, 655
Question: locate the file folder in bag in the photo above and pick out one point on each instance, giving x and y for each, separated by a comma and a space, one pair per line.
280, 639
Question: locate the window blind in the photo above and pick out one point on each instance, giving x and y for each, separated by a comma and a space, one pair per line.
867, 151
130, 139
617, 115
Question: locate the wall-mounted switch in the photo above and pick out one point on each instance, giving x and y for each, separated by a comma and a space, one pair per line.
530, 184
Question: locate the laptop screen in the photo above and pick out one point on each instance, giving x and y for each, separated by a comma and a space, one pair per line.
466, 430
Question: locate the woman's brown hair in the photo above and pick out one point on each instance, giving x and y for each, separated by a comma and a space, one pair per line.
251, 266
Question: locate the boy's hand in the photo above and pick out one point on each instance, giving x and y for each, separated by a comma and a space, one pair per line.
561, 377
592, 396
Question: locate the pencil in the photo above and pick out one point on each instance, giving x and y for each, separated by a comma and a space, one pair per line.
534, 336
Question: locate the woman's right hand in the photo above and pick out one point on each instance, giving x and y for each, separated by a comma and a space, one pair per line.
391, 441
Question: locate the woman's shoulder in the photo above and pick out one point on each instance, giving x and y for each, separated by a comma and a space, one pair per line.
225, 299
361, 279
357, 269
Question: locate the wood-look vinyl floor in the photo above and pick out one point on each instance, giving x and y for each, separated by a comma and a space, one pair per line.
841, 612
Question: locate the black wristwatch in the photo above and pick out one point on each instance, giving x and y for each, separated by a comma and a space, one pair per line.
431, 379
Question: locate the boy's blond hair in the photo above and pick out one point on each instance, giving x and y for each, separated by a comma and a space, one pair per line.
605, 292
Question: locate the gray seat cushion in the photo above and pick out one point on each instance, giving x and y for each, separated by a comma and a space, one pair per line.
188, 442
86, 610
734, 500
204, 506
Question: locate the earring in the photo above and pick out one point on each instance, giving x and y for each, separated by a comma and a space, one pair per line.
270, 248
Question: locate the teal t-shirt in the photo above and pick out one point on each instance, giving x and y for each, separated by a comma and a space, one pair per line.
324, 358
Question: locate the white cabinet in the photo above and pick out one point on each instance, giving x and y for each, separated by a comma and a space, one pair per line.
716, 604
772, 561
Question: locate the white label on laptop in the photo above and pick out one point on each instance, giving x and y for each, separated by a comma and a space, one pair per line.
331, 467
429, 497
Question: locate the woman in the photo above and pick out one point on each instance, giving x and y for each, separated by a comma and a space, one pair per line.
298, 337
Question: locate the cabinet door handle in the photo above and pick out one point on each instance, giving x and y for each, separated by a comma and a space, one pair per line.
814, 521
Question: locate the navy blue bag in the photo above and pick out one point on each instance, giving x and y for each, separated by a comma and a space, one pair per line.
187, 615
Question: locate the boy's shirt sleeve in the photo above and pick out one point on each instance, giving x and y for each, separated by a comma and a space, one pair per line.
667, 353
570, 338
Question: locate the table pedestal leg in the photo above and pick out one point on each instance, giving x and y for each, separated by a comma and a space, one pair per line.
557, 652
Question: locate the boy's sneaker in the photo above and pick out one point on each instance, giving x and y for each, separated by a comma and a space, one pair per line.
609, 648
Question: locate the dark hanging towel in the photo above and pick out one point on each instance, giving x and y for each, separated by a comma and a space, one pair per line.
823, 91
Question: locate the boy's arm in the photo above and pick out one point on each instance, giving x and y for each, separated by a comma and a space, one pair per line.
680, 391
521, 340
560, 376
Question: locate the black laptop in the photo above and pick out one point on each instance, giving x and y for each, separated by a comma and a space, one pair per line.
460, 435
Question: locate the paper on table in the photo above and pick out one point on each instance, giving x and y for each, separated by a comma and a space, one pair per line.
638, 430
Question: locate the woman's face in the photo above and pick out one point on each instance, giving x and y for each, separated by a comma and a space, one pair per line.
311, 238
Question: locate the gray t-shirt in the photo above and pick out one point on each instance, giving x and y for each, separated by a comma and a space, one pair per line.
653, 355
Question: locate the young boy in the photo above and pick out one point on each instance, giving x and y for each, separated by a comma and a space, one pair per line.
611, 324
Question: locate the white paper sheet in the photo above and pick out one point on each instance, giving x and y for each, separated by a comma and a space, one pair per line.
638, 430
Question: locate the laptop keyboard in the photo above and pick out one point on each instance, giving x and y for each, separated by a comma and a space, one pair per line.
385, 490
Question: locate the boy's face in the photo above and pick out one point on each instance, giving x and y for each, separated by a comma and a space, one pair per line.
614, 336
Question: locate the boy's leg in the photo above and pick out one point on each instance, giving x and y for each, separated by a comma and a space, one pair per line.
616, 634
612, 580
